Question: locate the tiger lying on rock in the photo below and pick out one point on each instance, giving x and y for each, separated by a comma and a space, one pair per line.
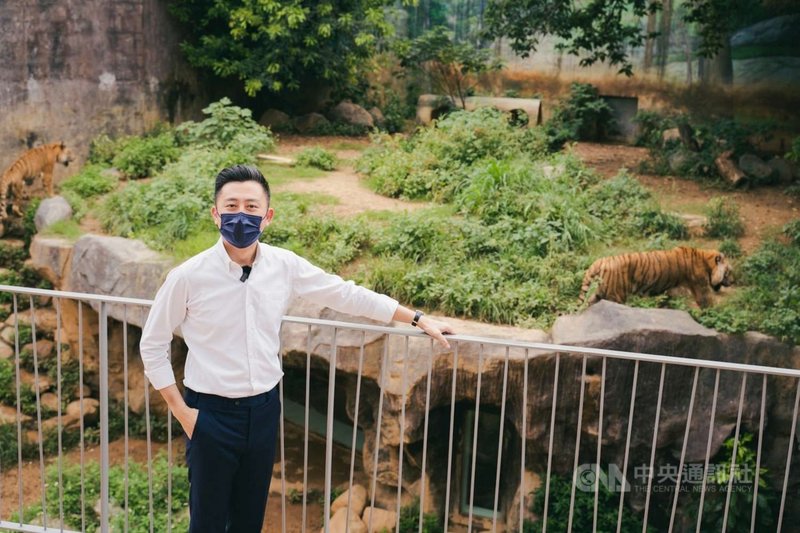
38, 161
651, 273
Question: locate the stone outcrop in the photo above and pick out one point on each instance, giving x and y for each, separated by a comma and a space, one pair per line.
353, 114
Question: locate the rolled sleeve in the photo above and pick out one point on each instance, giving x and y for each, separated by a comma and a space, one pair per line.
167, 313
330, 290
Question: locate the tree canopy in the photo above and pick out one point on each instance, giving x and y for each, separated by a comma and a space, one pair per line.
277, 45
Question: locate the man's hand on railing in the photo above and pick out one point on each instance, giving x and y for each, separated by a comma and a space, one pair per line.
435, 329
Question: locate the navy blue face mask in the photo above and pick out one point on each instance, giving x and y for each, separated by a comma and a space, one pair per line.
240, 229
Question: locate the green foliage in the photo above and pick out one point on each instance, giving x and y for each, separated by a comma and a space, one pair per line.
731, 248
582, 116
792, 230
28, 224
103, 149
141, 157
90, 181
723, 219
409, 520
316, 157
768, 297
583, 510
282, 45
138, 510
228, 127
12, 257
742, 491
651, 127
794, 153
434, 161
452, 66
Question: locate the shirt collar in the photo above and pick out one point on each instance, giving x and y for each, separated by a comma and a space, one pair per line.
219, 249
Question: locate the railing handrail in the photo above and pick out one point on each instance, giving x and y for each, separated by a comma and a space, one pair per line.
543, 347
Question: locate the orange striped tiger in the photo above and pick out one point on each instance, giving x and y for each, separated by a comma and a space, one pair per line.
651, 273
35, 162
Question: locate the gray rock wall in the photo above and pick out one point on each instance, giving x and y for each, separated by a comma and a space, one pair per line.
72, 69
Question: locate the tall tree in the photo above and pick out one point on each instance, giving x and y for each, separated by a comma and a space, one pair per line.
276, 45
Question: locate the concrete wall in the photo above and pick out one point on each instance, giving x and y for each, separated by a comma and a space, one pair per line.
71, 69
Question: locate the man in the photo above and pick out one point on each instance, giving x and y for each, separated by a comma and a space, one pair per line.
228, 302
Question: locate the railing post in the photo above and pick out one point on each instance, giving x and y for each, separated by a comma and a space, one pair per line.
104, 496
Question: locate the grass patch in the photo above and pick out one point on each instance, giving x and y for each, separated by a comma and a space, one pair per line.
69, 229
282, 174
349, 145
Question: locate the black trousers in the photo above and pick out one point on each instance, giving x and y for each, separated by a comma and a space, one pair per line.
230, 458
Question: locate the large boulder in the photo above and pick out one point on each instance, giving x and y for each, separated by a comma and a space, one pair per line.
115, 266
275, 119
755, 168
50, 258
351, 113
309, 122
50, 211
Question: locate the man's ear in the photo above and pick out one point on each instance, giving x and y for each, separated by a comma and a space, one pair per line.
215, 215
267, 218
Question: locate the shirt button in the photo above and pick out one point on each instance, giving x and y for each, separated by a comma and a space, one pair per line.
236, 402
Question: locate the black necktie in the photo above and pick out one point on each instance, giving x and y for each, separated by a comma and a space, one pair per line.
245, 273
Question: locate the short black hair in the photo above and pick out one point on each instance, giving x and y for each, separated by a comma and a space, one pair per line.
240, 173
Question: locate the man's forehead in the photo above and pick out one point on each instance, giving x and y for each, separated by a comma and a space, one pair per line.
245, 190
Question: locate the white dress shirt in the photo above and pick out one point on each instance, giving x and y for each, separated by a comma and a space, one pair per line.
232, 328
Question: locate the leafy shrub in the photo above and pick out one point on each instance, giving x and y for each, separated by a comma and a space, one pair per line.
583, 509
144, 156
103, 149
742, 491
138, 496
582, 116
651, 127
723, 219
227, 127
316, 157
794, 153
90, 181
792, 230
731, 248
409, 520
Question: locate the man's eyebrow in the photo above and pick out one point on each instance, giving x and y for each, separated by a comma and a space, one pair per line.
236, 198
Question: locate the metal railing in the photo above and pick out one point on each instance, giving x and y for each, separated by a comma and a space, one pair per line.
410, 398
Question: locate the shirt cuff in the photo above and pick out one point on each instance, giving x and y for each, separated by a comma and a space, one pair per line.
385, 309
161, 378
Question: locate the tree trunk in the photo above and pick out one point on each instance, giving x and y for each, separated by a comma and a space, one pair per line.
722, 64
663, 38
650, 42
687, 47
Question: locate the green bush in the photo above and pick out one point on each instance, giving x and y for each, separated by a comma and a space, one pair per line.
723, 219
103, 149
581, 116
409, 520
792, 230
138, 496
145, 156
583, 510
227, 127
90, 181
316, 157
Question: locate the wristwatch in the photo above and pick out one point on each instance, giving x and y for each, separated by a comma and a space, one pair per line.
417, 315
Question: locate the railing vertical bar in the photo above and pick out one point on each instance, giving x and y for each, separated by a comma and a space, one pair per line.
329, 432
523, 433
376, 446
625, 485
281, 430
104, 494
169, 470
17, 363
733, 455
599, 444
355, 430
683, 448
577, 444
500, 442
450, 437
59, 393
758, 451
550, 444
474, 450
151, 512
80, 405
38, 395
708, 451
402, 432
425, 440
125, 401
654, 446
305, 426
789, 457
